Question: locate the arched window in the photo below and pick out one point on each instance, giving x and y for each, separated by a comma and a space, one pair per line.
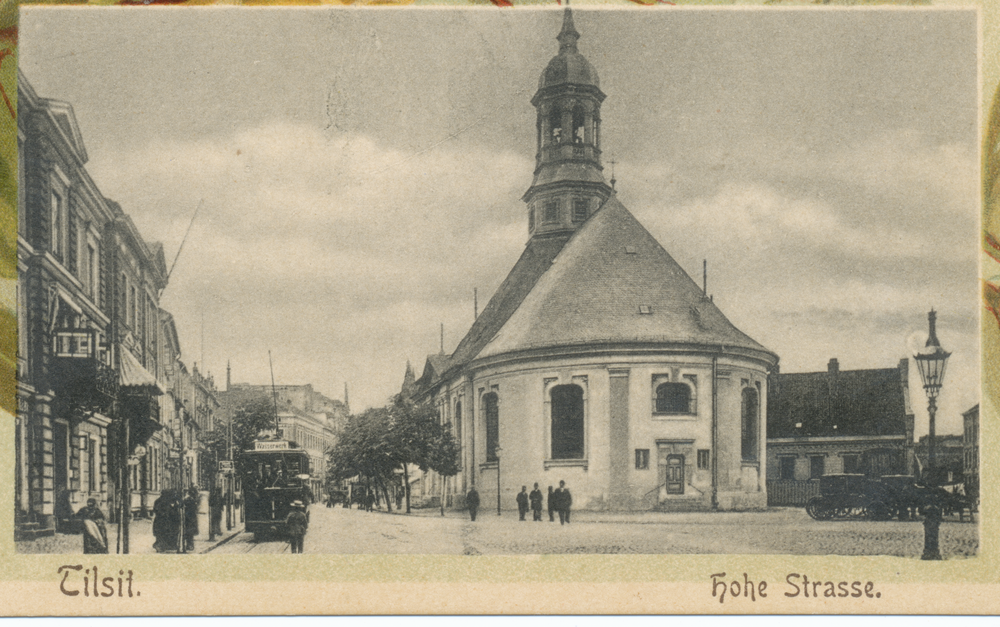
555, 126
750, 420
673, 398
491, 410
567, 422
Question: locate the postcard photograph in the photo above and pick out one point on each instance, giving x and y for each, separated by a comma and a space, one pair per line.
474, 282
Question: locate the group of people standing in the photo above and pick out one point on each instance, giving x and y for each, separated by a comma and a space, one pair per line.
169, 510
558, 501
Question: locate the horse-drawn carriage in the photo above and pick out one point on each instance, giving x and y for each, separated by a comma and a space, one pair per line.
850, 496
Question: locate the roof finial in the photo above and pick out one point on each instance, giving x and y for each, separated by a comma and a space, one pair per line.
568, 36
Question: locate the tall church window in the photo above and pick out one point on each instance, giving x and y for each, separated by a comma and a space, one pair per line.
567, 422
673, 398
555, 126
531, 217
491, 410
458, 422
750, 424
578, 125
551, 211
579, 210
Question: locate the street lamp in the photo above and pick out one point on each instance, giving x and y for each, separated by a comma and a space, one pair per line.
496, 453
931, 362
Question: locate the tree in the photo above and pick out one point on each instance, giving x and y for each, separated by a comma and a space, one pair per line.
249, 420
364, 449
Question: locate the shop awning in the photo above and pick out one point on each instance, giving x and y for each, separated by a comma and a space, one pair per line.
131, 374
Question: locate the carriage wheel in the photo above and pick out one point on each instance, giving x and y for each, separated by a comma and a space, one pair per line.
817, 509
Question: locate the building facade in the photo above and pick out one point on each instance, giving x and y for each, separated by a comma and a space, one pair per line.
92, 357
970, 451
838, 421
599, 361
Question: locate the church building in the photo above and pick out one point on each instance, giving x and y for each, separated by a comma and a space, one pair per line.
599, 361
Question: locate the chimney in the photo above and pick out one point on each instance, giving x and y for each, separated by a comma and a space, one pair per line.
833, 367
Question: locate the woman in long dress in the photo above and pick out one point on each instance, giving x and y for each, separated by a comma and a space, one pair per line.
95, 535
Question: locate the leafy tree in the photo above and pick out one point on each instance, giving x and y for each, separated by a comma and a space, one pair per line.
249, 419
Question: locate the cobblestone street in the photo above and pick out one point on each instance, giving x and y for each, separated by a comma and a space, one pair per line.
776, 531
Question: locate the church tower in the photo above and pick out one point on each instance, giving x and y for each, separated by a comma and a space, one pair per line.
569, 184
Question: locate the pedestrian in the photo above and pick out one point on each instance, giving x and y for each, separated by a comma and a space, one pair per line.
472, 502
297, 523
215, 504
551, 501
191, 504
536, 503
564, 500
370, 500
166, 518
522, 502
95, 535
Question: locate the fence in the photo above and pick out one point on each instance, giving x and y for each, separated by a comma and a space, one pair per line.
795, 493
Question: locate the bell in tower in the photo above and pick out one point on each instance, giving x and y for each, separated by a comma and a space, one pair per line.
569, 184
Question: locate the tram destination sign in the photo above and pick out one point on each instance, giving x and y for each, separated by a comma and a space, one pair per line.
271, 446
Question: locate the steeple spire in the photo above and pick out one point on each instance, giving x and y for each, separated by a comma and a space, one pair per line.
568, 36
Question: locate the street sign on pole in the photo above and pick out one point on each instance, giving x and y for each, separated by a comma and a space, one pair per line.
225, 465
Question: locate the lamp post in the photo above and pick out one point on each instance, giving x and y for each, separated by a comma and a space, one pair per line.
931, 362
496, 453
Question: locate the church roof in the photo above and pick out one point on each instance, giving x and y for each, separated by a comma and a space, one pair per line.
611, 282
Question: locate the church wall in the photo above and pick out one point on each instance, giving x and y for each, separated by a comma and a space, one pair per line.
620, 418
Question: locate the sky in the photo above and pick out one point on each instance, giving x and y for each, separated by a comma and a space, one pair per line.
359, 172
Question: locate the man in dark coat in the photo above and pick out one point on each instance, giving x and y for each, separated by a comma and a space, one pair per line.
472, 502
536, 503
551, 500
564, 500
191, 504
522, 502
95, 535
297, 523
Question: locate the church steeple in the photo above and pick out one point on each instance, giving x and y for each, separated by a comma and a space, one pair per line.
569, 184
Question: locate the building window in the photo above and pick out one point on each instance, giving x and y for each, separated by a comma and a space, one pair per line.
817, 466
673, 398
56, 224
642, 459
852, 463
578, 125
491, 410
786, 468
579, 210
551, 211
458, 422
531, 217
703, 459
750, 425
567, 422
555, 124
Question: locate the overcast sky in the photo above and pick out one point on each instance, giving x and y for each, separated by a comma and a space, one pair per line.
361, 171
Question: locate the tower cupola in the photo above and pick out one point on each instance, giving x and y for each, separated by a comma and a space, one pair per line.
569, 184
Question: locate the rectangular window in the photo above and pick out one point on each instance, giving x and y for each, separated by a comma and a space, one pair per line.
531, 217
817, 466
786, 468
703, 459
642, 459
72, 245
852, 463
92, 468
55, 224
551, 211
579, 210
92, 271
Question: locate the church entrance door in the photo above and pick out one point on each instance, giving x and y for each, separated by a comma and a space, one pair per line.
675, 474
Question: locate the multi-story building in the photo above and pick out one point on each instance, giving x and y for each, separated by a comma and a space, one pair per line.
970, 451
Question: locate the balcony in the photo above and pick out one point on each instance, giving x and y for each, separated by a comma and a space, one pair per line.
80, 374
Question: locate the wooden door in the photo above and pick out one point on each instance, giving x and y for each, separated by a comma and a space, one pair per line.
675, 474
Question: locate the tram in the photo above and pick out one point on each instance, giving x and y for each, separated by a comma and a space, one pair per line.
275, 475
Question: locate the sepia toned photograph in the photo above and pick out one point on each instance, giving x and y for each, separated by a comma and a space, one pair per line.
427, 281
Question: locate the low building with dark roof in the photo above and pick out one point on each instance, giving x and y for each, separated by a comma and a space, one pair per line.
599, 361
837, 421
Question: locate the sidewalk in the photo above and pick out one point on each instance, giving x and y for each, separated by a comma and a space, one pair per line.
140, 540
